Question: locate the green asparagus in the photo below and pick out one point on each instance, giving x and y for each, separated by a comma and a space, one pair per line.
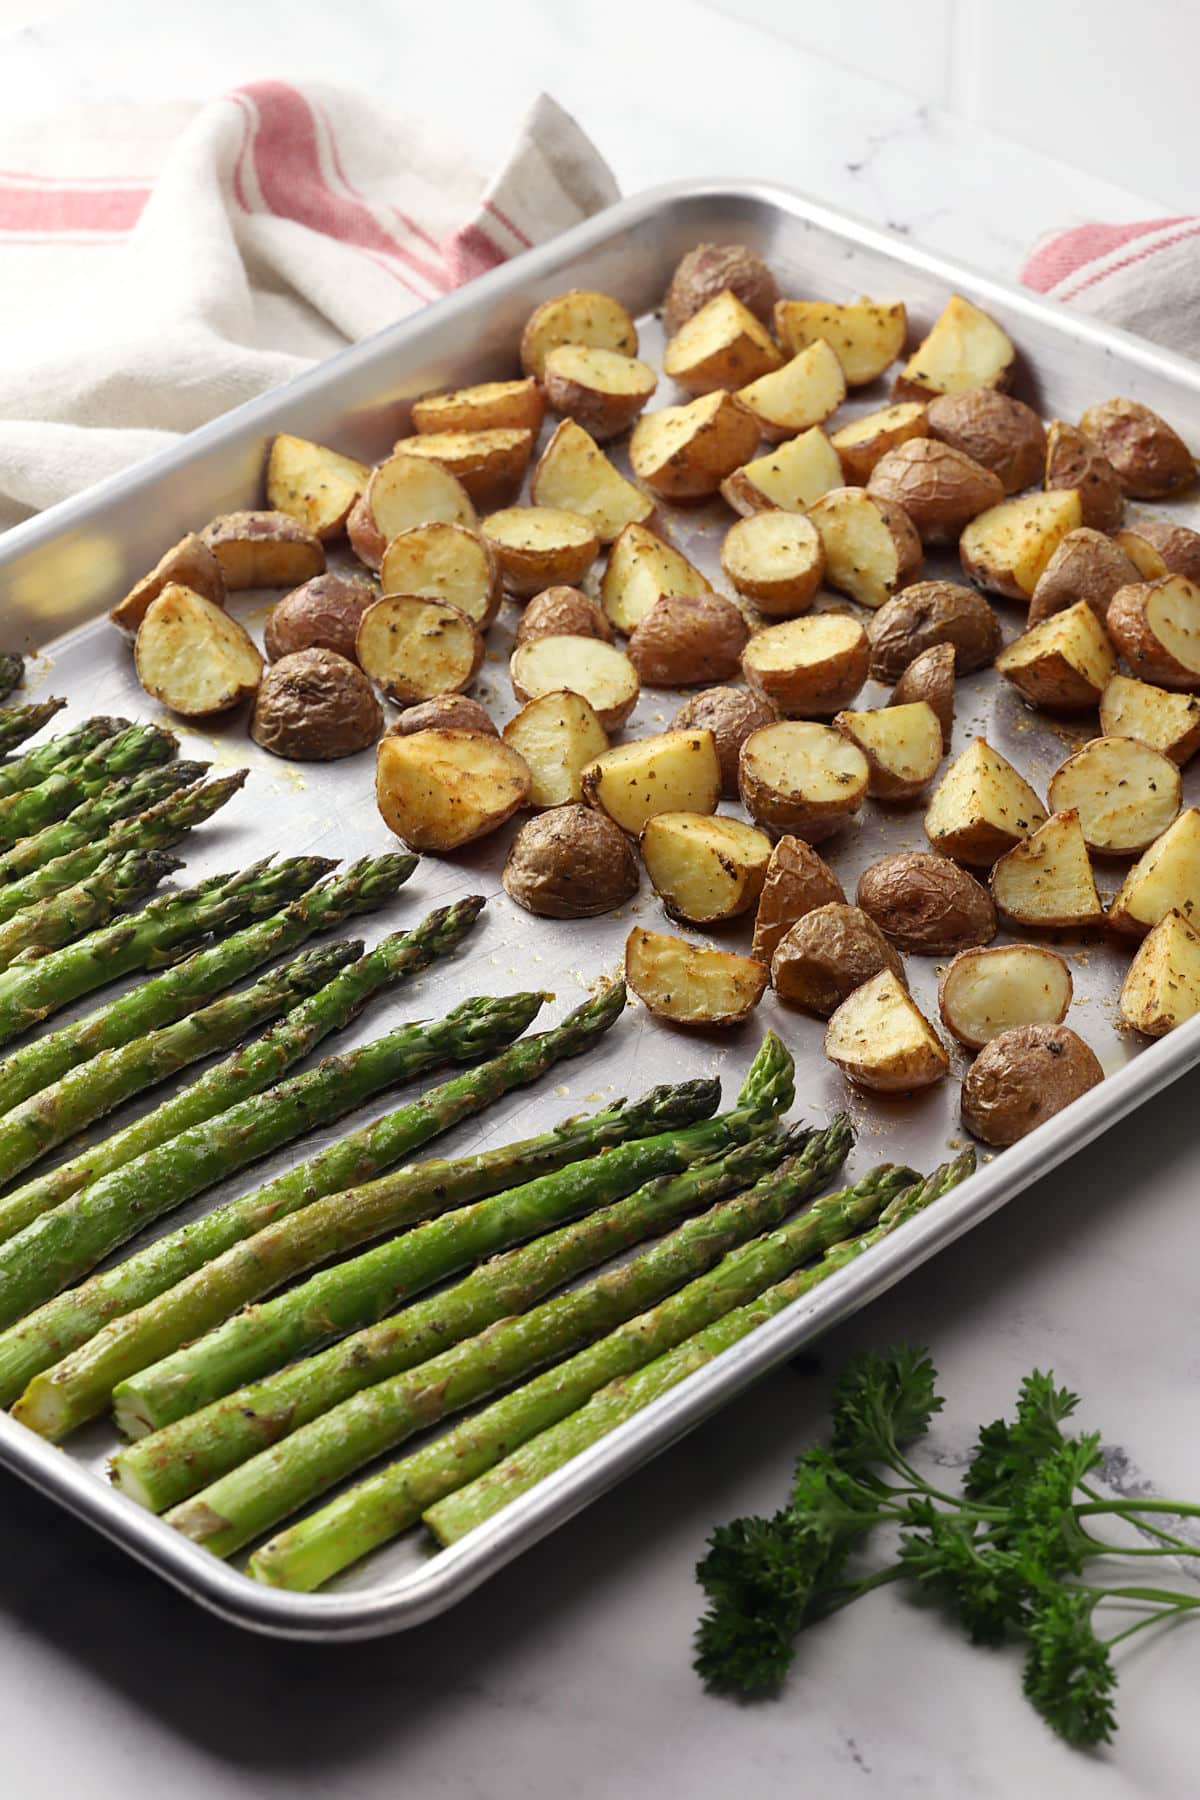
91, 819
118, 882
12, 671
553, 1446
141, 747
26, 771
20, 722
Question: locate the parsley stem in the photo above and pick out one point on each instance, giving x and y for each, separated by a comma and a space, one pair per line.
1151, 1530
1180, 1508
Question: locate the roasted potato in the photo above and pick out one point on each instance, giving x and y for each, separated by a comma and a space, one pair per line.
939, 487
685, 639
902, 745
313, 706
673, 771
1046, 880
1162, 985
964, 348
981, 807
570, 863
416, 648
323, 614
985, 992
685, 452
558, 735
1145, 557
871, 545
440, 789
789, 477
602, 390
801, 394
864, 335
862, 443
798, 880
1006, 548
490, 465
445, 712
930, 677
704, 869
404, 491
928, 614
814, 664
581, 316
1150, 458
1064, 664
489, 406
722, 345
801, 777
689, 984
1073, 461
1086, 566
994, 430
1022, 1078
1162, 547
444, 562
263, 549
561, 612
926, 903
641, 568
776, 559
600, 672
709, 270
574, 475
192, 656
311, 483
188, 564
827, 954
540, 547
731, 714
1165, 879
880, 1039
1156, 627
1124, 792
1166, 721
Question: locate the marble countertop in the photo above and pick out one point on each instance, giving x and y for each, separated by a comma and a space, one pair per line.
569, 1675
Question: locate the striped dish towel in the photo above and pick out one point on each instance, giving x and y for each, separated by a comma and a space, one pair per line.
1144, 276
160, 265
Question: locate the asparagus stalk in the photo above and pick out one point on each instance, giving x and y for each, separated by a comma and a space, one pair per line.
20, 722
119, 881
12, 672
360, 889
92, 818
141, 747
357, 1292
26, 771
507, 1421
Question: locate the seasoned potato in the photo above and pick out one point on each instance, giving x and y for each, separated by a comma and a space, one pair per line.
581, 316
1086, 566
709, 270
871, 545
1156, 627
192, 656
939, 487
731, 714
1047, 879
1150, 458
789, 477
1145, 557
323, 614
964, 348
1165, 879
722, 345
930, 677
1162, 547
880, 1039
404, 491
815, 664
189, 564
928, 614
1022, 1078
316, 485
864, 441
926, 903
539, 547
558, 735
798, 880
685, 452
314, 706
1162, 986
562, 612
985, 992
1006, 548
1124, 792
690, 984
685, 639
801, 777
776, 559
902, 745
450, 712
574, 475
263, 549
673, 771
704, 869
994, 430
600, 672
982, 807
602, 390
864, 335
1166, 721
1065, 663
444, 562
801, 394
489, 406
827, 954
442, 788
1073, 461
489, 464
571, 863
641, 568
416, 648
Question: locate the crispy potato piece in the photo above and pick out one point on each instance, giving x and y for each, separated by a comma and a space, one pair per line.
574, 474
263, 549
445, 562
926, 903
1150, 458
685, 639
1124, 792
600, 389
939, 487
790, 477
641, 568
1065, 663
539, 547
192, 656
985, 992
1047, 879
561, 612
440, 789
1166, 878
801, 394
927, 614
1072, 461
814, 664
722, 345
1086, 566
416, 648
902, 745
445, 712
964, 348
798, 880
1156, 627
930, 677
707, 271
880, 1039
871, 545
776, 559
1145, 557
981, 807
571, 863
861, 443
704, 869
674, 771
864, 335
731, 714
994, 430
690, 984
685, 452
314, 706
802, 777
323, 614
1166, 721
1006, 548
314, 484
1162, 984
489, 406
490, 464
600, 672
1022, 1078
190, 564
1162, 547
558, 735
581, 316
827, 954
404, 491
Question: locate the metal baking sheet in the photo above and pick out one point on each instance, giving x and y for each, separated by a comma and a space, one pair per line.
60, 571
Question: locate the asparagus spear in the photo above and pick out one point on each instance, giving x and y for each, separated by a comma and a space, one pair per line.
141, 747
119, 882
507, 1421
26, 771
20, 722
12, 671
360, 889
92, 818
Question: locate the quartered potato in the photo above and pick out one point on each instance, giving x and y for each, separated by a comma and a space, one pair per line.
731, 714
902, 745
939, 487
1150, 458
561, 612
880, 1039
574, 475
1124, 792
641, 568
1165, 879
865, 335
1162, 986
814, 664
321, 614
489, 406
1073, 461
801, 777
1086, 566
798, 880
571, 863
581, 316
673, 771
722, 345
1156, 627
789, 477
600, 672
558, 735
1159, 547
1023, 1077
704, 869
539, 547
927, 614
189, 564
1047, 879
314, 484
926, 903
1166, 721
827, 954
1145, 555
985, 992
685, 452
963, 349
981, 807
994, 430
930, 677
263, 549
451, 712
689, 984
1006, 548
861, 443
405, 491
801, 394
1065, 663
192, 656
490, 464
603, 390
444, 562
776, 559
871, 545
442, 788
707, 271
416, 648
685, 639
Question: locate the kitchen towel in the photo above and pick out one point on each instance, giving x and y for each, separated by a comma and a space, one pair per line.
1144, 277
160, 264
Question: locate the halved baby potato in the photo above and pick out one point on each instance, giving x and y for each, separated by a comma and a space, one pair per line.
1046, 880
539, 547
581, 316
797, 881
442, 788
940, 488
1145, 555
416, 647
871, 545
1165, 879
488, 406
1125, 793
1006, 548
671, 772
981, 807
797, 396
814, 664
444, 562
1022, 1077
688, 638
1150, 457
1002, 434
1156, 627
264, 549
570, 863
930, 677
880, 1039
192, 656
789, 477
314, 484
689, 984
861, 443
600, 672
561, 612
964, 348
189, 564
405, 491
926, 903
1167, 721
827, 954
1086, 566
731, 714
902, 745
574, 474
641, 568
704, 869
722, 345
865, 335
1072, 461
558, 735
985, 992
776, 559
1065, 663
1162, 547
490, 464
1162, 984
603, 390
802, 777
931, 613
685, 452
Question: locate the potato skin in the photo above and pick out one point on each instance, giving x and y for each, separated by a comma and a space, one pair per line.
323, 614
1129, 628
928, 613
315, 706
798, 881
1074, 462
940, 488
688, 638
562, 612
707, 271
570, 863
1178, 545
285, 546
1151, 459
827, 954
930, 677
994, 430
731, 714
1022, 1078
1086, 566
926, 903
445, 712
